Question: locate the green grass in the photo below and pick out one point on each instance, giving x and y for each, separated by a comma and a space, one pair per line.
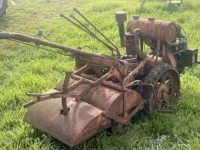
27, 69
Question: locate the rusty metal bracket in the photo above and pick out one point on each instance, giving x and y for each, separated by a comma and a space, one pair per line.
42, 97
130, 76
76, 75
116, 118
138, 108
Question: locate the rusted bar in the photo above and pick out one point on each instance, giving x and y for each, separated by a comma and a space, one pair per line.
116, 118
138, 108
116, 48
76, 77
64, 111
81, 70
106, 83
131, 75
125, 104
43, 97
36, 41
88, 81
87, 30
53, 95
114, 86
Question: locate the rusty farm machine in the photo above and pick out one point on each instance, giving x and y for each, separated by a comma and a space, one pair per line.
107, 91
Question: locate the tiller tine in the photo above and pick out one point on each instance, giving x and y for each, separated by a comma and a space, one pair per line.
80, 123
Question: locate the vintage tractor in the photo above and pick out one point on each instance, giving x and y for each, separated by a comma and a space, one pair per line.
107, 91
3, 7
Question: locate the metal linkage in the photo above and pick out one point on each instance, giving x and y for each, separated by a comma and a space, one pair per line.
66, 90
76, 10
85, 29
81, 26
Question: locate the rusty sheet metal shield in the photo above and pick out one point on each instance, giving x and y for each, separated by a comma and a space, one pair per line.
110, 100
82, 121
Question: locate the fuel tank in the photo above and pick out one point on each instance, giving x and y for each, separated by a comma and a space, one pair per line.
154, 29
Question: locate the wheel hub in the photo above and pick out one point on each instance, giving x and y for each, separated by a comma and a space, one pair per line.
162, 92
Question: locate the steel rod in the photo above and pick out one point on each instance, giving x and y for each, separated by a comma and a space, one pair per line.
92, 34
36, 41
76, 10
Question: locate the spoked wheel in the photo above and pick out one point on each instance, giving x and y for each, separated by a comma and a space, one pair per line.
166, 82
3, 7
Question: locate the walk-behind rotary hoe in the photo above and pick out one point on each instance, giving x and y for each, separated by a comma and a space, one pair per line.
107, 91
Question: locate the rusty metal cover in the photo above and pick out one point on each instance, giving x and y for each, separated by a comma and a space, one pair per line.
155, 29
111, 100
82, 121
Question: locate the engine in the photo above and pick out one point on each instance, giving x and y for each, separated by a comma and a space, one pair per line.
164, 39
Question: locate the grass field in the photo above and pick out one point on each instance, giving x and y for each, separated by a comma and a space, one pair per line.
27, 69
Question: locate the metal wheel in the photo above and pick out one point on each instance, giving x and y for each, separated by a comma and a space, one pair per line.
3, 7
166, 82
